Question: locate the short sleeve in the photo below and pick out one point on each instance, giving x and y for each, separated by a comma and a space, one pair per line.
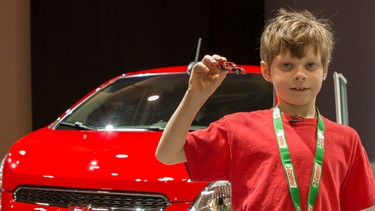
208, 153
358, 190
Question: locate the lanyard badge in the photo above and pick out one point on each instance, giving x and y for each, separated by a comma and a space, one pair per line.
287, 162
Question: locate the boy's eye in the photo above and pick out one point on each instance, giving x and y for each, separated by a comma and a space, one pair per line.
286, 66
310, 66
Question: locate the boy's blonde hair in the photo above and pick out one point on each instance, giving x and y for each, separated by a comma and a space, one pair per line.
292, 31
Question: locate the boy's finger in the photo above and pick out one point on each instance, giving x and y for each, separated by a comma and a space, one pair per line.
212, 61
219, 58
199, 67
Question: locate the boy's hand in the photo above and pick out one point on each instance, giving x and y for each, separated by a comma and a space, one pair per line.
205, 77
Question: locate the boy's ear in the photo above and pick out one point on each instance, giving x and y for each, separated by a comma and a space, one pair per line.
266, 71
325, 75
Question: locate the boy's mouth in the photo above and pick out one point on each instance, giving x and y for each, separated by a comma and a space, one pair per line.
299, 88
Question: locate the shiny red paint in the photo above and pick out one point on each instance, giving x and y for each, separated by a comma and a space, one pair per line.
100, 160
103, 160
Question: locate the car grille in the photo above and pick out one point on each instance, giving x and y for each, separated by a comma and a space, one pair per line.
110, 200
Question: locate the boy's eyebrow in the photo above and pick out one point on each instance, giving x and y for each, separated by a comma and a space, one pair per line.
291, 57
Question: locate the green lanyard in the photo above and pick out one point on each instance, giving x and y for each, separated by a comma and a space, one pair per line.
287, 162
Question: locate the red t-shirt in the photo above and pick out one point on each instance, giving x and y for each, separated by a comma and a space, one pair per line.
242, 148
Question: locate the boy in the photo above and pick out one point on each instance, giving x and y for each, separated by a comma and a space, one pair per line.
288, 157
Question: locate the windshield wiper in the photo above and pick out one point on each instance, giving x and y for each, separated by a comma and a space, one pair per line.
155, 128
77, 125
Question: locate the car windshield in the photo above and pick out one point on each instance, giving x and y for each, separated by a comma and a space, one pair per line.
148, 101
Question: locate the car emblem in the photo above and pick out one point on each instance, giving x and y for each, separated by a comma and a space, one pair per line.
79, 208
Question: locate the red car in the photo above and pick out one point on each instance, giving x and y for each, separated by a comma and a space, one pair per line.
100, 154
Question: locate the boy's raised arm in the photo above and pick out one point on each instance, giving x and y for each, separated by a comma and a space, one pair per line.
204, 80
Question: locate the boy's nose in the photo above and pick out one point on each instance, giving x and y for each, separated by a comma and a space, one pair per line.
299, 74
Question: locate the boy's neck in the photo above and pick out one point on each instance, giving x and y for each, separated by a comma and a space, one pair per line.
300, 111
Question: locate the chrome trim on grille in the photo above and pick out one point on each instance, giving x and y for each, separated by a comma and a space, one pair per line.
94, 199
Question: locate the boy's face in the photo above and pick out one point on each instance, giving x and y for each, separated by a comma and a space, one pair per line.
297, 81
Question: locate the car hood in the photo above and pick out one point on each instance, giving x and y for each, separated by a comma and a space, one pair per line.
121, 161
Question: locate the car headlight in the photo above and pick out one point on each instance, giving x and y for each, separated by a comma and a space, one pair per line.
216, 197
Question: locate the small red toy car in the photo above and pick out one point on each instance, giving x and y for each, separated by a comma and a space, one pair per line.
230, 66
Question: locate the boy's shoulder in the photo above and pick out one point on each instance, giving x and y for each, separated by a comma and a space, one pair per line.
335, 127
249, 118
266, 114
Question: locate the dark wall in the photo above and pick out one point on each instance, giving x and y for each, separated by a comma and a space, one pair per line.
77, 45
